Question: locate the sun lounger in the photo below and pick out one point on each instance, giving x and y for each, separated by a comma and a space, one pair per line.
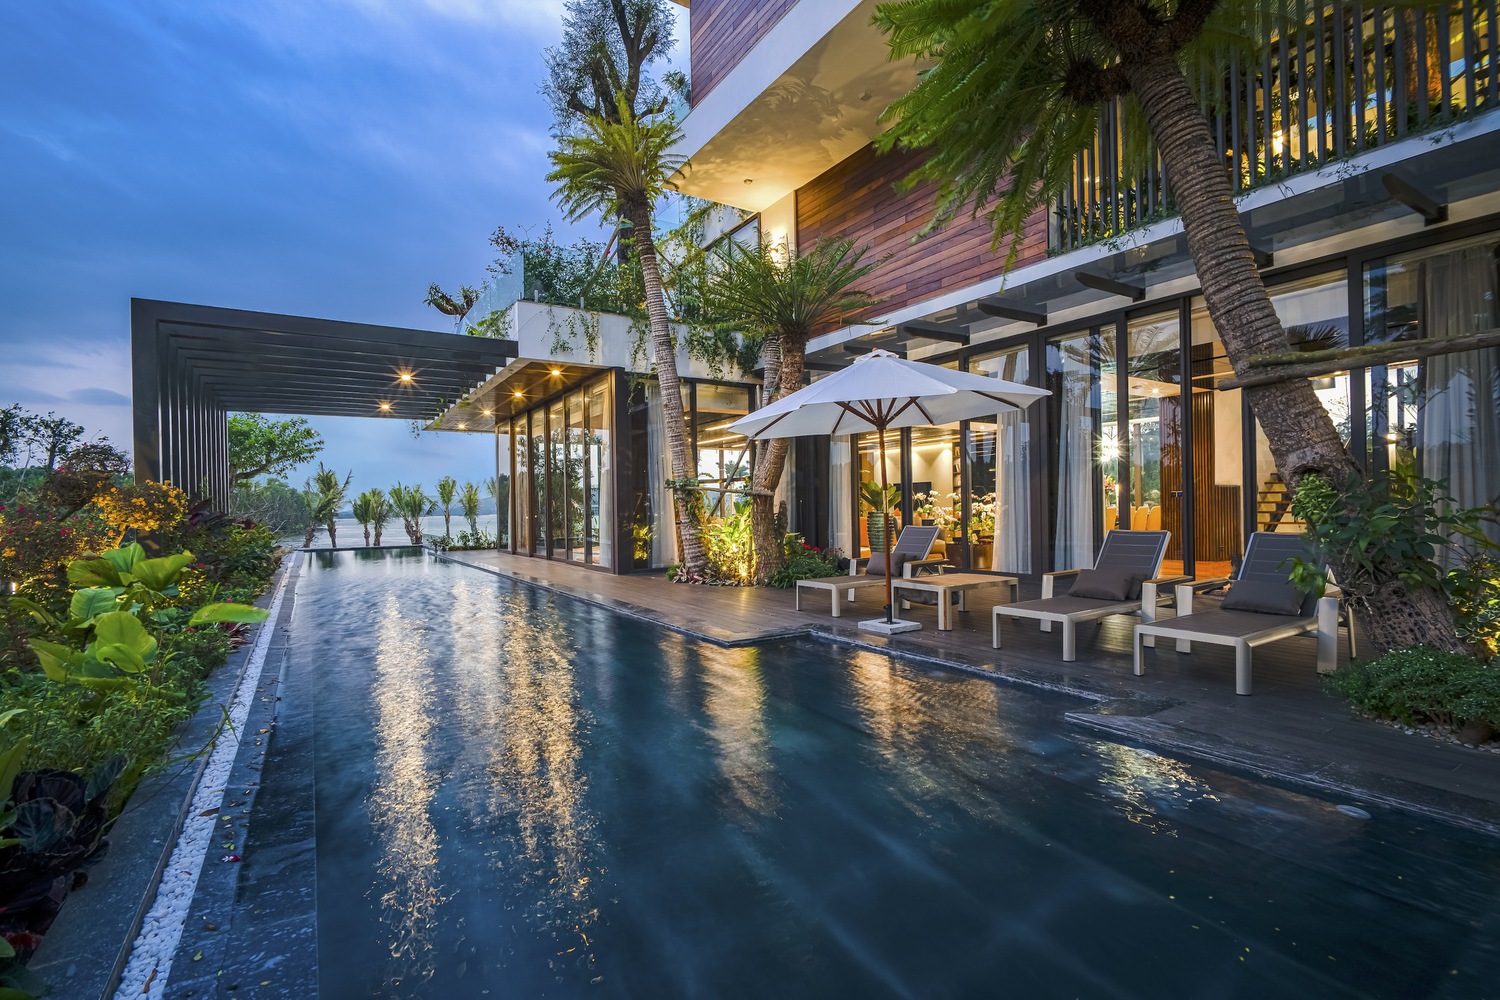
1130, 556
908, 556
1266, 609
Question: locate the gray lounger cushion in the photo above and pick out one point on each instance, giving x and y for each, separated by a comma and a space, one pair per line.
876, 565
1110, 584
1264, 597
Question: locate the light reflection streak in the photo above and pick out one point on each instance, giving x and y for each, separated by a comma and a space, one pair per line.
918, 741
734, 703
1141, 784
538, 777
404, 786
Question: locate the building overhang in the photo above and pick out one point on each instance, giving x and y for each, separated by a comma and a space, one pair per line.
807, 95
1344, 206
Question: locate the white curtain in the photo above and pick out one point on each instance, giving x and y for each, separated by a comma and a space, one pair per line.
840, 528
1074, 544
1012, 492
658, 473
1459, 418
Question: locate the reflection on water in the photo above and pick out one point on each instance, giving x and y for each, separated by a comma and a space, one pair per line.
734, 703
1143, 785
538, 780
408, 888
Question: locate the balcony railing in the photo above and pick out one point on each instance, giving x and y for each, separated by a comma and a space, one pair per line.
1356, 75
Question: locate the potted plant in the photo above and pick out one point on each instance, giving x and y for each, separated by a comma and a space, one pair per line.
878, 506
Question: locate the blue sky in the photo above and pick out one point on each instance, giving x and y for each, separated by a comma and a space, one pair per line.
324, 158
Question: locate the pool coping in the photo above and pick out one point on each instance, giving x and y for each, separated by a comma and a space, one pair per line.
1120, 714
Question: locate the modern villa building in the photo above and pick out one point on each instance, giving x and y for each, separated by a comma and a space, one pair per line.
1365, 151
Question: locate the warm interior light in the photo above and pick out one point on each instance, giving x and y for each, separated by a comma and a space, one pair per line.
557, 373
405, 376
519, 394
488, 413
386, 407
1391, 437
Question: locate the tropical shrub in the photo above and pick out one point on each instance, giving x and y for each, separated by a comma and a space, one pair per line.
730, 545
1416, 686
804, 562
156, 509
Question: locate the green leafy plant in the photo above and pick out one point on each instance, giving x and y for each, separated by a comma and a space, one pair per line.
1415, 686
104, 643
803, 562
730, 542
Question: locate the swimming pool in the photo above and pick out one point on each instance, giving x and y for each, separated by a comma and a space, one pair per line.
522, 795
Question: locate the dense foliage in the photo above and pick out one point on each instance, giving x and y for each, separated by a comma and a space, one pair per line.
1416, 686
259, 446
804, 562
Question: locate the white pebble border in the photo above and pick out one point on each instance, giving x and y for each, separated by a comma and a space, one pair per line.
151, 955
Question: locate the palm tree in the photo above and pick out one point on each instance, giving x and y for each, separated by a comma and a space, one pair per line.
1014, 92
331, 494
446, 487
780, 299
361, 511
371, 509
324, 495
412, 505
619, 167
468, 501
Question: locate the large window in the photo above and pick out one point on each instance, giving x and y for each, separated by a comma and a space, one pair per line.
1085, 448
1441, 415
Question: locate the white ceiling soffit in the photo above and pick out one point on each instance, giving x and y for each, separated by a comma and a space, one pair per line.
778, 126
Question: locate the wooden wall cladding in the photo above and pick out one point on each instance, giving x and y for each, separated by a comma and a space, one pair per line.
720, 32
857, 199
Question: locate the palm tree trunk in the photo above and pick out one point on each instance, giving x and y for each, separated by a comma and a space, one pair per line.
694, 559
378, 529
367, 534
1301, 435
769, 550
333, 533
307, 539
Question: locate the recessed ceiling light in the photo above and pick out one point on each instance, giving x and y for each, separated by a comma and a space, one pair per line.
386, 407
519, 394
557, 373
405, 376
488, 413
463, 427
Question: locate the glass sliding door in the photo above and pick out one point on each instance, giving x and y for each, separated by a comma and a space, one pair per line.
1155, 489
1085, 448
576, 480
504, 476
522, 492
538, 512
1218, 452
723, 457
1000, 467
599, 493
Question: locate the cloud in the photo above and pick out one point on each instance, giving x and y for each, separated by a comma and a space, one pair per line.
98, 396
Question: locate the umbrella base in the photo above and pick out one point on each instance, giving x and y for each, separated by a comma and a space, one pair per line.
883, 627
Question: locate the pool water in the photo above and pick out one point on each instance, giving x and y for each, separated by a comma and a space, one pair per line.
520, 795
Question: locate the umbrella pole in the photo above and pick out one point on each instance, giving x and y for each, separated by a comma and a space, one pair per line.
885, 532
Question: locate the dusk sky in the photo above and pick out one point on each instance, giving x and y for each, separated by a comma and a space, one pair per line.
324, 159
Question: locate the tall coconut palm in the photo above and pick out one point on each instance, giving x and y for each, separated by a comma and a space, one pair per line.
619, 167
468, 502
1014, 91
446, 488
780, 299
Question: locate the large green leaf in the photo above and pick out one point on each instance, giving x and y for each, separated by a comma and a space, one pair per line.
159, 574
94, 573
9, 714
119, 656
126, 556
58, 661
125, 629
224, 612
91, 602
10, 766
41, 823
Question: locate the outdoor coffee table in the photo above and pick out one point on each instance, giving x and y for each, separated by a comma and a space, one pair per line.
948, 584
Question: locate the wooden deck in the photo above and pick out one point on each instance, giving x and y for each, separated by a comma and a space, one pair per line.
1289, 730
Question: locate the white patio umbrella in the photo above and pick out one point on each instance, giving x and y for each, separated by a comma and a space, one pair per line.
881, 392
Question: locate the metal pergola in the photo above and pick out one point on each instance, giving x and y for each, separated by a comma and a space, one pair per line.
193, 365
